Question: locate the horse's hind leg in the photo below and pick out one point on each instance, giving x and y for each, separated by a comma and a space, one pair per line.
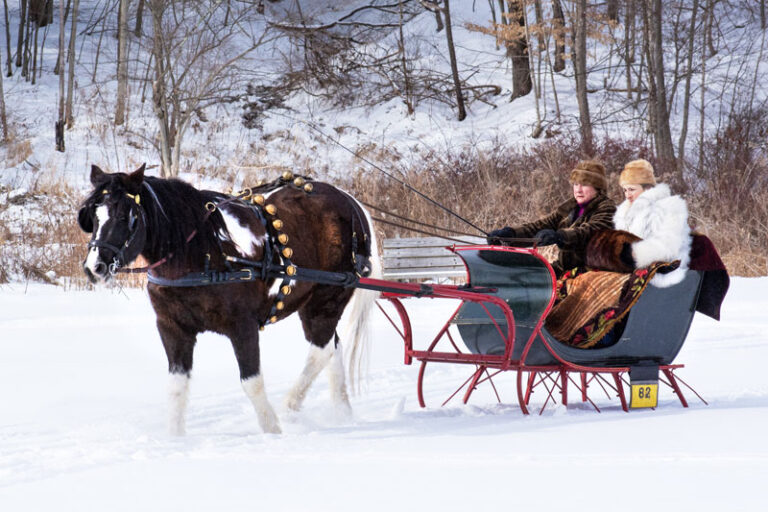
179, 347
246, 345
319, 318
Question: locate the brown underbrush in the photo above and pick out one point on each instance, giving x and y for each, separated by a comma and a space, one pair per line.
491, 188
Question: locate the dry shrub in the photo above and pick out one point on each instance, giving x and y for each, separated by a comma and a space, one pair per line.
17, 152
507, 186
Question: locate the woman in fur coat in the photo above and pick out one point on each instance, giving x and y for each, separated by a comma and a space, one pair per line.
651, 212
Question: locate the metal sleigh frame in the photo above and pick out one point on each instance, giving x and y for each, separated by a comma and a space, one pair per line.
494, 343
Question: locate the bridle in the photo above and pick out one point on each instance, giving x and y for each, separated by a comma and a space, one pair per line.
141, 220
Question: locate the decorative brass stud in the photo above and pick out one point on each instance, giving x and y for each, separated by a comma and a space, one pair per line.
273, 319
290, 270
287, 252
277, 224
261, 328
308, 187
299, 181
271, 209
285, 290
287, 175
258, 199
282, 238
279, 305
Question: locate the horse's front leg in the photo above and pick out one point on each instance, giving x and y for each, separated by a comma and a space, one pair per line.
246, 344
179, 347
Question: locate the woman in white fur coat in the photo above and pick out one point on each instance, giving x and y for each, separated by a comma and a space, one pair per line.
651, 212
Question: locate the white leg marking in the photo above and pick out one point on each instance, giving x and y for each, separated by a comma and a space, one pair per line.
254, 389
178, 396
317, 359
336, 379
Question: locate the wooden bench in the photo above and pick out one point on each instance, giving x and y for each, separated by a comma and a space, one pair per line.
423, 258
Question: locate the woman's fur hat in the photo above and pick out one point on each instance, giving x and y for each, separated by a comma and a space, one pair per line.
590, 172
637, 172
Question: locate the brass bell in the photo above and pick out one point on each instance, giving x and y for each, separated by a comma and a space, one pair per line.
299, 181
290, 270
277, 224
258, 199
285, 290
308, 187
287, 252
279, 305
273, 320
282, 238
271, 209
287, 175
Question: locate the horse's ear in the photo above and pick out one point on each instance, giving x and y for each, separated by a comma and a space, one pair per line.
135, 179
85, 221
97, 176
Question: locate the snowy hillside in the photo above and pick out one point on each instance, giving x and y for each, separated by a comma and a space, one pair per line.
82, 425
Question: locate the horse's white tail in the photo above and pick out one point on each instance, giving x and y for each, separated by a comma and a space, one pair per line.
358, 315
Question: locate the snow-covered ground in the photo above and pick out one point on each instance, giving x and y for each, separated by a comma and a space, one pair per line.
82, 423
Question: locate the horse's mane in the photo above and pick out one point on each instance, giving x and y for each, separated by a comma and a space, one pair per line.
174, 211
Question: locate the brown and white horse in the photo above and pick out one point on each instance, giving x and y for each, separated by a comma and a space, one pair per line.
182, 232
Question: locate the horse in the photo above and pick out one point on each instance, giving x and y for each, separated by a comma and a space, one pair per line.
191, 238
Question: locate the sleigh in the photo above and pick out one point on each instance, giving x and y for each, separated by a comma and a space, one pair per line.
499, 326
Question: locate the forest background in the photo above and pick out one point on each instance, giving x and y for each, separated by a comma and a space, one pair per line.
484, 105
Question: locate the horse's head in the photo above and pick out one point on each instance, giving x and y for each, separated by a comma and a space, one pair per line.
114, 214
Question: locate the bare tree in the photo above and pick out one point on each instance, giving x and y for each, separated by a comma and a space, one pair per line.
122, 63
3, 117
70, 117
612, 10
655, 48
8, 38
139, 18
558, 29
762, 15
445, 9
517, 48
60, 65
22, 27
195, 66
580, 74
688, 78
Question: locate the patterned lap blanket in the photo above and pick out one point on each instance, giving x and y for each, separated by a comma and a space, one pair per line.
590, 303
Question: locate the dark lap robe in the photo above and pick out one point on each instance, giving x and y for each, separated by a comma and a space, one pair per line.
590, 303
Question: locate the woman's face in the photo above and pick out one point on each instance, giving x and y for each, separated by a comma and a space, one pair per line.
632, 191
583, 193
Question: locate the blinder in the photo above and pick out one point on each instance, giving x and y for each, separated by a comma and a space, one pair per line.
136, 219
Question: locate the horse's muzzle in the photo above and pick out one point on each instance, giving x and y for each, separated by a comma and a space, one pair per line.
100, 271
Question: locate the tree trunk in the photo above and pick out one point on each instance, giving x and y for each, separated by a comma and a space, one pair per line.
159, 100
60, 66
22, 27
517, 52
438, 20
612, 10
580, 73
494, 20
139, 18
454, 65
629, 43
687, 94
664, 145
558, 22
71, 57
25, 60
762, 15
122, 63
407, 89
8, 39
34, 55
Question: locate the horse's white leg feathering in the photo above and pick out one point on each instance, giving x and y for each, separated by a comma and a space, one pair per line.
254, 389
178, 396
317, 359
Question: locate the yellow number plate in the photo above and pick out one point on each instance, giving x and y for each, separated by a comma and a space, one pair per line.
644, 395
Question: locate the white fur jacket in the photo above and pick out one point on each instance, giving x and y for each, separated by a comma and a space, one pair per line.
661, 220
